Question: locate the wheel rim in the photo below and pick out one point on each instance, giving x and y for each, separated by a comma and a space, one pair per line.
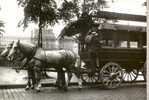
130, 76
111, 75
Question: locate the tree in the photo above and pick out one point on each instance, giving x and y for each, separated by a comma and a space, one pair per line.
83, 14
42, 12
45, 12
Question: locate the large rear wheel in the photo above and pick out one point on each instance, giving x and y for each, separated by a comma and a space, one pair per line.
111, 75
130, 75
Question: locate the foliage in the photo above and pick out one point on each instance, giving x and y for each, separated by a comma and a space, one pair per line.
84, 13
43, 11
68, 10
46, 11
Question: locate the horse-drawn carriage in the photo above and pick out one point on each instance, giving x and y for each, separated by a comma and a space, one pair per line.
113, 57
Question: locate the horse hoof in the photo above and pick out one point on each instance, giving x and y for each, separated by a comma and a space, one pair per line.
27, 88
32, 87
65, 89
79, 89
37, 90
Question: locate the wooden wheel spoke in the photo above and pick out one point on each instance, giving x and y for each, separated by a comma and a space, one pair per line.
114, 69
109, 69
124, 76
130, 75
135, 71
118, 73
133, 75
106, 71
111, 83
116, 80
106, 75
107, 82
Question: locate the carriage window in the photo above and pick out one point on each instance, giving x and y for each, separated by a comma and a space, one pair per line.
122, 44
144, 46
111, 43
133, 44
107, 43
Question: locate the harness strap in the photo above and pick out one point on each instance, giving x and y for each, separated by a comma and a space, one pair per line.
31, 56
33, 53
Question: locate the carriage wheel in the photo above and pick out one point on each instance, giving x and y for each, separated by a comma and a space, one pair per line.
111, 75
130, 75
90, 77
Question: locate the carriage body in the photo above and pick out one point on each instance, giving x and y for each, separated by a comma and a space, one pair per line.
127, 49
127, 58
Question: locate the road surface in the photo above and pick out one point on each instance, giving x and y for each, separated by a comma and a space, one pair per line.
98, 93
9, 76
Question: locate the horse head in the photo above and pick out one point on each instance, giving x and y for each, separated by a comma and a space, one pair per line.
14, 51
6, 50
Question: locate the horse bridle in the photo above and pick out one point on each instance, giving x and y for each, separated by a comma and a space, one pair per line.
19, 56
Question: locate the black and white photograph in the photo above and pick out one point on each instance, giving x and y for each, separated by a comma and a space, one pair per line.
74, 49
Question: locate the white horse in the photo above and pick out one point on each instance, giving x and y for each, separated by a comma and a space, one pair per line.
39, 59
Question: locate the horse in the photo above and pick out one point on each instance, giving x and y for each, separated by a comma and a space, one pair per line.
39, 59
20, 62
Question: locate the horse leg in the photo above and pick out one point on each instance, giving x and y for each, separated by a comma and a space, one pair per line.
58, 80
77, 74
61, 79
69, 75
79, 82
44, 74
33, 79
37, 74
64, 84
28, 81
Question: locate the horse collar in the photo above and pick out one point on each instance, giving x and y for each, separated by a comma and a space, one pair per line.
33, 53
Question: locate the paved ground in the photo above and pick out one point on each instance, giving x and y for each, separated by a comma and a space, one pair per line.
98, 93
9, 76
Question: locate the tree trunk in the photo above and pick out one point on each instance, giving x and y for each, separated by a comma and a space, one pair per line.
40, 35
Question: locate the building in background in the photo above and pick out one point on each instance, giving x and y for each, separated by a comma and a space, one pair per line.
48, 39
8, 39
51, 43
68, 43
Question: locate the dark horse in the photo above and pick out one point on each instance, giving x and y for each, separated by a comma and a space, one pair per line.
39, 59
